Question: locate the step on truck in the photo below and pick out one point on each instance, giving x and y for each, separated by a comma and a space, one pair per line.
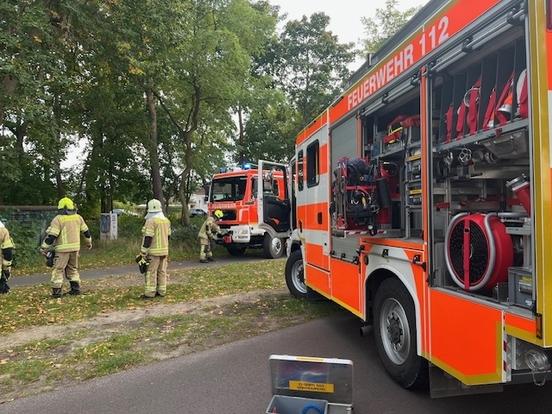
423, 197
252, 218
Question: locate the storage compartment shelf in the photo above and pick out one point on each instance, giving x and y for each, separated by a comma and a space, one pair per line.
483, 135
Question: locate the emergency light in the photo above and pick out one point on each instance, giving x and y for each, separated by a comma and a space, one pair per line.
246, 166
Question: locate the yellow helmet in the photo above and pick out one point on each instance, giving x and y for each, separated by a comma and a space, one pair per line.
218, 214
66, 204
154, 206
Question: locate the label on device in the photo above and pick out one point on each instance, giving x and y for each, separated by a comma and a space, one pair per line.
311, 386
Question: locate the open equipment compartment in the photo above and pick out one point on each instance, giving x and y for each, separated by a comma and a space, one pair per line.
481, 158
370, 189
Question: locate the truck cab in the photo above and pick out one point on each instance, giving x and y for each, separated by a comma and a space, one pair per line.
252, 218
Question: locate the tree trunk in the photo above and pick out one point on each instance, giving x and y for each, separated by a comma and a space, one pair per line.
241, 137
153, 147
184, 193
183, 196
57, 113
59, 181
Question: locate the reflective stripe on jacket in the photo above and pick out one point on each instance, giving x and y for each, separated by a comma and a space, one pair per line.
5, 239
207, 229
159, 229
67, 229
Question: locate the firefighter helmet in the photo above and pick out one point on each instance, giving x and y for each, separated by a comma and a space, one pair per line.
154, 206
66, 204
218, 214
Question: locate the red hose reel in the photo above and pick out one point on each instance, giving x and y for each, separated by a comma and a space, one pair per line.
478, 251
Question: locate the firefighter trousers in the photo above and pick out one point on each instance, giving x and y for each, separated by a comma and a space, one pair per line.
66, 264
205, 249
156, 276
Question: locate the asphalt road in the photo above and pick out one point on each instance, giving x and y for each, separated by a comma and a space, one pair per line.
234, 379
39, 278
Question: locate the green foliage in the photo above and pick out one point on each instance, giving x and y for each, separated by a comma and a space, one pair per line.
74, 77
311, 64
296, 77
387, 21
26, 231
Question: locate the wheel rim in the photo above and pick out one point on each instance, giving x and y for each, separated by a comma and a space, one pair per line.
298, 277
395, 331
276, 246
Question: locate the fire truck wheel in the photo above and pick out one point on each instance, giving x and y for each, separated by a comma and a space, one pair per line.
295, 276
273, 247
395, 334
236, 250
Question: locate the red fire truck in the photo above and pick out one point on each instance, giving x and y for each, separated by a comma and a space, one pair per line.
252, 218
423, 197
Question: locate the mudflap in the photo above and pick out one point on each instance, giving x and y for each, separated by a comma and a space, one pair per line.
443, 385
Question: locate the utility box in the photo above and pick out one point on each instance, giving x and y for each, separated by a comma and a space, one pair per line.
310, 385
520, 281
108, 226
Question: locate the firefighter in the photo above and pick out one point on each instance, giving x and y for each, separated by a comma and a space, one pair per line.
63, 238
155, 250
206, 234
6, 248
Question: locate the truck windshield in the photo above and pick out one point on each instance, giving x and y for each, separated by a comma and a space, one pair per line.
228, 189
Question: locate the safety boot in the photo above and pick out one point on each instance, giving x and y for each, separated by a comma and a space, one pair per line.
56, 293
203, 261
75, 288
210, 259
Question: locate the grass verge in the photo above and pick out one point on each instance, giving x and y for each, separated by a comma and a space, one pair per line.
44, 365
114, 253
32, 306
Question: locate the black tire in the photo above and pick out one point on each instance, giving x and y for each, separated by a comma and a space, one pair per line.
237, 251
402, 364
273, 248
296, 281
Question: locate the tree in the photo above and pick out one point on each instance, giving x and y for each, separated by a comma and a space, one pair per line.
310, 64
295, 78
39, 51
211, 59
270, 130
387, 21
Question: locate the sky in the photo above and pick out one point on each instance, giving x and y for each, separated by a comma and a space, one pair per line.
344, 14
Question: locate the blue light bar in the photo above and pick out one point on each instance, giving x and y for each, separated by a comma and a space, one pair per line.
246, 166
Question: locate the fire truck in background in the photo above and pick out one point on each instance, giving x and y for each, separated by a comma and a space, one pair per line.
423, 197
252, 218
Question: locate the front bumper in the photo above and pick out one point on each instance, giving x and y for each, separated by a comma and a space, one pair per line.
235, 234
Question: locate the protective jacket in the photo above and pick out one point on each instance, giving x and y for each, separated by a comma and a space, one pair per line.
156, 231
208, 229
6, 245
66, 230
